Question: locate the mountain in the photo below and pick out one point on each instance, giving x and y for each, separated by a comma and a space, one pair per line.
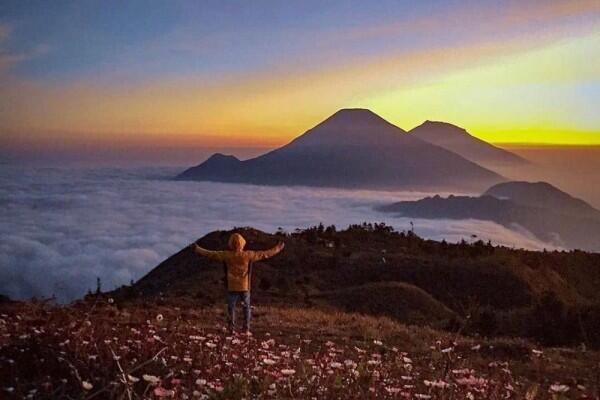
354, 148
458, 140
543, 194
548, 213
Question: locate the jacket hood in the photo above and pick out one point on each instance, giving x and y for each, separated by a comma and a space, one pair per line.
237, 242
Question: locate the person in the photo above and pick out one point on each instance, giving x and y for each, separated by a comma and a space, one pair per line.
237, 262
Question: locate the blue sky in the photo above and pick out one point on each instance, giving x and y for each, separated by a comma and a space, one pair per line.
261, 72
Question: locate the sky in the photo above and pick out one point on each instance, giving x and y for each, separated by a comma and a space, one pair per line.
80, 75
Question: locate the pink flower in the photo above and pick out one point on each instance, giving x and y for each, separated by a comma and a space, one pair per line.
472, 381
160, 391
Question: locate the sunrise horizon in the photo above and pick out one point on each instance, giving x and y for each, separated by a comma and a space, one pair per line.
517, 73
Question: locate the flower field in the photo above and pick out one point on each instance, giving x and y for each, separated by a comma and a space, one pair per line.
101, 350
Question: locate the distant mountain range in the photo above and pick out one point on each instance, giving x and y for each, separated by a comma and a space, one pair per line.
354, 148
458, 140
543, 194
550, 214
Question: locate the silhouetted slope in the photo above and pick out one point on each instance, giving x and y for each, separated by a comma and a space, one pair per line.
556, 221
398, 300
354, 148
459, 141
543, 194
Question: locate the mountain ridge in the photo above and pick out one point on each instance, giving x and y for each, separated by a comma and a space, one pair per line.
550, 214
353, 148
460, 141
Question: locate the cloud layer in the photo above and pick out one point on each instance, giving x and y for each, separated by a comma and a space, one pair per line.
63, 228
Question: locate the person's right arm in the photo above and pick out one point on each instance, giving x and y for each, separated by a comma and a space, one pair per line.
201, 251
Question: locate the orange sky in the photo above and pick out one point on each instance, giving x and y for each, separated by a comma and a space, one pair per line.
521, 72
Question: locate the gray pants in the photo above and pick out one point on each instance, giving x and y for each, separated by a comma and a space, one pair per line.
232, 299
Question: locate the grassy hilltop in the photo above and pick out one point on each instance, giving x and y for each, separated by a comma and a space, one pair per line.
362, 313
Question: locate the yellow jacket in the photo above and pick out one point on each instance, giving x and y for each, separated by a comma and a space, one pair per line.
237, 260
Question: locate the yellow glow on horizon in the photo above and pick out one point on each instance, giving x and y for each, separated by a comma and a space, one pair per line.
500, 92
534, 97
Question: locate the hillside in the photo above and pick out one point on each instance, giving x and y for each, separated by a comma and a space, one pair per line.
373, 270
353, 148
459, 141
364, 313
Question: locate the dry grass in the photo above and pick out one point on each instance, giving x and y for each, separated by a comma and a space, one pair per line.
89, 350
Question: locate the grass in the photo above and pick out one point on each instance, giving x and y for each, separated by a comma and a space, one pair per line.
105, 350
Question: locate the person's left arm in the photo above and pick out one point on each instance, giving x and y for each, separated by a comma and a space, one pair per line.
261, 255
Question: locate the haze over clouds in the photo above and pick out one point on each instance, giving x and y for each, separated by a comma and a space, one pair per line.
62, 228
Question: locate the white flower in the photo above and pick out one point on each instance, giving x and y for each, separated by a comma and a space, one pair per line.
151, 379
86, 385
335, 365
440, 384
110, 300
407, 360
378, 342
288, 372
210, 345
422, 396
200, 382
464, 371
557, 388
472, 381
447, 350
268, 361
159, 317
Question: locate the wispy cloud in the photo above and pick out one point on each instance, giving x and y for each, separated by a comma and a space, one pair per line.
8, 58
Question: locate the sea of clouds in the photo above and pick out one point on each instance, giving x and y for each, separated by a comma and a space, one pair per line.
62, 228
